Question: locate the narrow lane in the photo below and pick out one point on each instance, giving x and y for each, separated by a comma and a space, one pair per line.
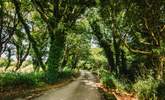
83, 88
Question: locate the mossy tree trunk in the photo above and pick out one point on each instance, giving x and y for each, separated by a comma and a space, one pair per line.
105, 44
65, 13
17, 5
57, 44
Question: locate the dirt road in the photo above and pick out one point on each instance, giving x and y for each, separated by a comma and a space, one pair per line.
83, 88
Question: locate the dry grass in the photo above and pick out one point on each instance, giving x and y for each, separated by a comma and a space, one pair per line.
118, 95
26, 69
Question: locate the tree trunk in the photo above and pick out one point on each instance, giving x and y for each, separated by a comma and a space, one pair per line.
109, 55
9, 58
123, 66
1, 26
57, 44
31, 39
106, 45
20, 57
75, 60
65, 57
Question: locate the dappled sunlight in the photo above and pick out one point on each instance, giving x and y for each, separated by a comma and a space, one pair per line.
118, 43
26, 69
90, 83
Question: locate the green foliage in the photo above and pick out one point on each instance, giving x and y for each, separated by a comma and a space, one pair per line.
3, 62
160, 90
33, 79
52, 76
131, 33
147, 89
55, 55
97, 55
110, 80
77, 50
107, 79
96, 59
66, 73
12, 79
108, 96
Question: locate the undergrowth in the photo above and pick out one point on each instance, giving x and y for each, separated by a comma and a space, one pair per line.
29, 80
145, 88
110, 80
13, 79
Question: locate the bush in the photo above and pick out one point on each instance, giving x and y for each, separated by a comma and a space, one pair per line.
12, 79
58, 76
146, 89
3, 62
107, 79
111, 81
33, 79
160, 91
66, 73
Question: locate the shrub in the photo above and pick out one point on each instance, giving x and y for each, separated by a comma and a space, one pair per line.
160, 91
107, 79
111, 81
3, 62
12, 79
33, 79
146, 89
58, 76
66, 73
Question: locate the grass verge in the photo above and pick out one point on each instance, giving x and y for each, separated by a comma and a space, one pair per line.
29, 85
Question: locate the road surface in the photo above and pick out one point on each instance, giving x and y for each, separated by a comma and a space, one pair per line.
83, 88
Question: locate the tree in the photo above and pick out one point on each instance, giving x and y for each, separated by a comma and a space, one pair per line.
105, 44
27, 29
8, 24
77, 49
145, 23
59, 16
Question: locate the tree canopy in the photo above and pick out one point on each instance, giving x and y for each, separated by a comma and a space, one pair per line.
127, 36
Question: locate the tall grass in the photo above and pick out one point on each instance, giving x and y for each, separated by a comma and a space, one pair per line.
112, 81
32, 79
12, 79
